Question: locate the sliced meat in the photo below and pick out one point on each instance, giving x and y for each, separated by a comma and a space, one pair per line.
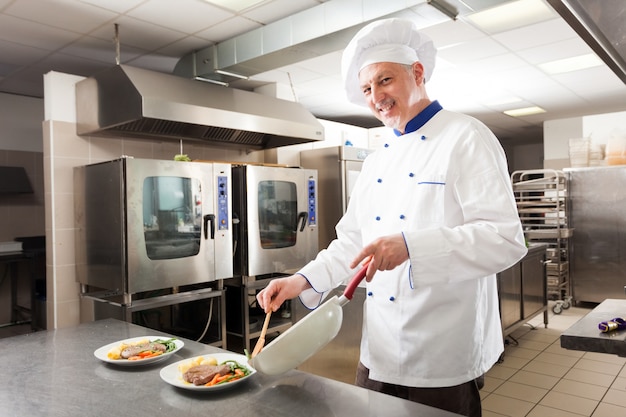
137, 349
203, 374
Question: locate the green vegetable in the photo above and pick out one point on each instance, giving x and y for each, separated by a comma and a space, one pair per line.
236, 365
170, 344
182, 157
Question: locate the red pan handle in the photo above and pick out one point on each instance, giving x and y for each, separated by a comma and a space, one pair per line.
355, 281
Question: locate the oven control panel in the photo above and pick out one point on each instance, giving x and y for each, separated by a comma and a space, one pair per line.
222, 202
312, 203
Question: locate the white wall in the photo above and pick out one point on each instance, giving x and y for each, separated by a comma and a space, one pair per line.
598, 128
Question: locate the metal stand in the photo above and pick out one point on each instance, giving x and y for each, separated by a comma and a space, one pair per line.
244, 320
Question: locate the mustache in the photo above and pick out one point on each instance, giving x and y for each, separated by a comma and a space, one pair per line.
387, 102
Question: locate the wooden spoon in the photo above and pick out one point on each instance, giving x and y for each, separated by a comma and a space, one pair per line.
261, 342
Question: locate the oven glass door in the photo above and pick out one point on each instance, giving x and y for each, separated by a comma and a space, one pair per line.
278, 213
172, 216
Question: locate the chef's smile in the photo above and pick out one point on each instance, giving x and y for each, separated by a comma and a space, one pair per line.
385, 105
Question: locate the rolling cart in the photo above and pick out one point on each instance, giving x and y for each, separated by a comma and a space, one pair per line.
541, 197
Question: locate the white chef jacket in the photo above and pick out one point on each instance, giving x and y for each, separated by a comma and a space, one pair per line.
434, 320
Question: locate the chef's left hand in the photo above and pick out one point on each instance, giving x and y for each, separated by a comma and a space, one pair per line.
387, 252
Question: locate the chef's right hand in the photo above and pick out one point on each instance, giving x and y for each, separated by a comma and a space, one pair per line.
281, 289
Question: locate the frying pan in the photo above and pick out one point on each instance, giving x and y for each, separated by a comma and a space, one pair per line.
307, 336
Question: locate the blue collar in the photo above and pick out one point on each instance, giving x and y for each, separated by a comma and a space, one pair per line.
421, 119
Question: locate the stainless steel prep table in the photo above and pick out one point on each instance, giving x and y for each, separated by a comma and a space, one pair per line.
55, 373
584, 334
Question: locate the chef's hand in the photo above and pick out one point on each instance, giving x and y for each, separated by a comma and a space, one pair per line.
387, 252
281, 289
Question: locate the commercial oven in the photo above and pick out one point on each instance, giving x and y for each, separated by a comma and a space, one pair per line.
275, 211
151, 233
276, 233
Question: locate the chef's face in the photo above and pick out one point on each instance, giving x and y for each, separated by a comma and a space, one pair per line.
393, 92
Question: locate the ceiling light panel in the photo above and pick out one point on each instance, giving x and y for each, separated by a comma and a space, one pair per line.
512, 15
575, 63
526, 111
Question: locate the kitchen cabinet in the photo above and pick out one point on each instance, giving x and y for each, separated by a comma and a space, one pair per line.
522, 290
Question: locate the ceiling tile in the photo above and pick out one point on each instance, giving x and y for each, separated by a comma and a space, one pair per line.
228, 29
33, 34
73, 16
187, 16
556, 50
535, 35
272, 11
139, 34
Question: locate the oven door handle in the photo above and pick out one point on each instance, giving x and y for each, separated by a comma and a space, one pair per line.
302, 217
209, 218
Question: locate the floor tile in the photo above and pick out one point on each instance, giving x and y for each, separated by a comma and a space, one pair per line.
569, 403
521, 391
487, 413
534, 345
615, 397
605, 357
507, 406
619, 383
520, 352
543, 411
556, 359
546, 368
534, 379
580, 389
609, 410
538, 336
491, 383
501, 372
596, 366
556, 348
589, 377
513, 362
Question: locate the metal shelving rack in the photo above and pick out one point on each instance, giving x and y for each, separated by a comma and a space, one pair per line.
541, 197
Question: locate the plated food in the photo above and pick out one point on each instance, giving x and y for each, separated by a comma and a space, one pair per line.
208, 372
139, 350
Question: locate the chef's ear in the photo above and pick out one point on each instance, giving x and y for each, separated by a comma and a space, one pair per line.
418, 72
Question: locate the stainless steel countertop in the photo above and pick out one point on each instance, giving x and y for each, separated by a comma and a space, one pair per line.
55, 373
584, 334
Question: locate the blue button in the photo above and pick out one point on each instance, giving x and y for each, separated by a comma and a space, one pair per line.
402, 217
379, 180
377, 218
370, 293
392, 298
386, 145
423, 137
411, 174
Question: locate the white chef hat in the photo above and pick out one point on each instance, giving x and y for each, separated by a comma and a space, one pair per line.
389, 40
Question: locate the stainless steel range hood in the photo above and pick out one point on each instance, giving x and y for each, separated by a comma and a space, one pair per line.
125, 101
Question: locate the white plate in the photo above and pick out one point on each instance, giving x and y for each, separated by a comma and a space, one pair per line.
101, 353
172, 375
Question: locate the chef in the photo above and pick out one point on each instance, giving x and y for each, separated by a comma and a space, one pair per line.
433, 210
